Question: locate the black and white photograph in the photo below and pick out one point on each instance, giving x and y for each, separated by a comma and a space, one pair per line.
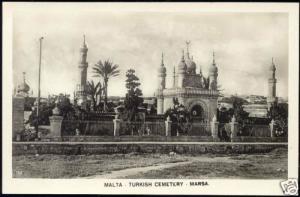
144, 98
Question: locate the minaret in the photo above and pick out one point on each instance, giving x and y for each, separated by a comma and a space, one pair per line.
161, 86
82, 68
213, 75
200, 72
174, 78
187, 49
162, 74
182, 68
272, 99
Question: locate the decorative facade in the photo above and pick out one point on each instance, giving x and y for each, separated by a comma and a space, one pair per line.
81, 87
272, 99
197, 93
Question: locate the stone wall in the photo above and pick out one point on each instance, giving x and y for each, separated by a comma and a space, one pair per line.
130, 139
17, 116
22, 148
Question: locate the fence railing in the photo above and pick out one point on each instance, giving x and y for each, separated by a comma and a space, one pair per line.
142, 128
158, 128
254, 130
91, 128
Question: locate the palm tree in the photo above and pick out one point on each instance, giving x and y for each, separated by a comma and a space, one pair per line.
94, 91
106, 70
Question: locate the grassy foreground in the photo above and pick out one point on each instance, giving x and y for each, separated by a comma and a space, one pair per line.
72, 166
259, 166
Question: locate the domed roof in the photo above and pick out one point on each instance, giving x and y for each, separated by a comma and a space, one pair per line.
191, 65
272, 66
23, 87
213, 68
182, 65
162, 69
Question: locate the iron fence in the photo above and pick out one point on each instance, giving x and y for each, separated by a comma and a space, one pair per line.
87, 128
253, 130
191, 129
142, 128
224, 131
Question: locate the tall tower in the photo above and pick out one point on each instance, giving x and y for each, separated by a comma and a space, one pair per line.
272, 99
213, 75
182, 69
161, 86
81, 87
174, 78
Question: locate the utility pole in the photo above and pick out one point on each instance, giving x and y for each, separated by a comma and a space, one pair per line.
39, 85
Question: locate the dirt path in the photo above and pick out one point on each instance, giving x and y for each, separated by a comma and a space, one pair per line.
133, 171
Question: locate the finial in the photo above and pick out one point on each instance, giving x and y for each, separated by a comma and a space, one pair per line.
162, 59
214, 57
83, 39
24, 73
174, 70
187, 48
182, 58
200, 70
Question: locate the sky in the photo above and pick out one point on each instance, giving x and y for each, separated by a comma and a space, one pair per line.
244, 44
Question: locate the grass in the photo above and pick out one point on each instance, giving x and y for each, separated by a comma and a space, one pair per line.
271, 165
251, 166
70, 166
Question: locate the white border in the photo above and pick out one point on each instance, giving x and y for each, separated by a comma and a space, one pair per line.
216, 186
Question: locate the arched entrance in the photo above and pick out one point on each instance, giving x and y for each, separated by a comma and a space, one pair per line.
198, 110
197, 113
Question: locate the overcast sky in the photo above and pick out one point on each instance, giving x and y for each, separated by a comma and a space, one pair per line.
244, 44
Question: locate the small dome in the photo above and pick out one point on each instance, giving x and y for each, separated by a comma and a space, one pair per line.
182, 65
162, 69
213, 68
23, 87
191, 65
272, 67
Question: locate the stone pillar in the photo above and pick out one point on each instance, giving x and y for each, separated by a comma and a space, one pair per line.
233, 128
117, 126
18, 117
272, 124
55, 123
214, 128
168, 124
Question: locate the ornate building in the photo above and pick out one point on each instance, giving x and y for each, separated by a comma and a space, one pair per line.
81, 87
197, 93
272, 99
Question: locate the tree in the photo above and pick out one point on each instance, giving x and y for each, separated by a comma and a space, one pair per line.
45, 111
279, 113
180, 117
133, 98
106, 70
238, 110
94, 91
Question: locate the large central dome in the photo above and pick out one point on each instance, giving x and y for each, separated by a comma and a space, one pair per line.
191, 65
